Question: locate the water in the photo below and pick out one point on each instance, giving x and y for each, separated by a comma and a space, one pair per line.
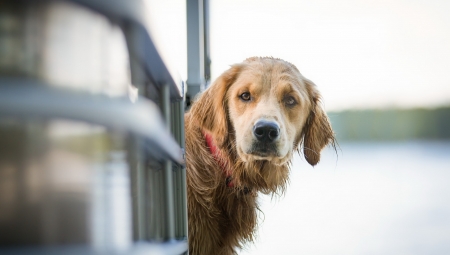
374, 198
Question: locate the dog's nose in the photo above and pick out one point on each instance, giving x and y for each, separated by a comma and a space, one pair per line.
266, 131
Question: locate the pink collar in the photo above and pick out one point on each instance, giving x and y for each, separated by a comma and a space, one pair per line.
223, 163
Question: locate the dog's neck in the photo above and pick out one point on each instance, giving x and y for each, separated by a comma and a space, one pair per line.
222, 162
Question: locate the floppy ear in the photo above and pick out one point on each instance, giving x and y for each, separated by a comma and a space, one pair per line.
210, 109
317, 131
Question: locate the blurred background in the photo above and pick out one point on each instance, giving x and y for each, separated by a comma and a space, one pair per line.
91, 131
382, 68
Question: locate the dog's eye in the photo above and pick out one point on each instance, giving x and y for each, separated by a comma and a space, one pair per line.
290, 101
245, 96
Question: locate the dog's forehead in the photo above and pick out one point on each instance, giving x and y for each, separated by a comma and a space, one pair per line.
271, 73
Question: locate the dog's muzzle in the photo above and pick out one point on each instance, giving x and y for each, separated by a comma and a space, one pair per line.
266, 134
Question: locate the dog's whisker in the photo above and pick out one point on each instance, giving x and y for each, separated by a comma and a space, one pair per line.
311, 150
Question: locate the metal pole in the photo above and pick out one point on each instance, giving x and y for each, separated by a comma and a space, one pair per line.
180, 173
138, 79
184, 214
195, 47
207, 57
168, 172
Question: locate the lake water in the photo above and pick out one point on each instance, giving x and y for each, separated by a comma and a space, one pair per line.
373, 198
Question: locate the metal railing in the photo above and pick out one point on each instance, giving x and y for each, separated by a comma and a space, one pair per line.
91, 152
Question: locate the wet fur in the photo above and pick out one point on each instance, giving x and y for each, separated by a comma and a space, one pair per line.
222, 218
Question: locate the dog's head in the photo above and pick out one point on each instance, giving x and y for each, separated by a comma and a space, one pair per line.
264, 109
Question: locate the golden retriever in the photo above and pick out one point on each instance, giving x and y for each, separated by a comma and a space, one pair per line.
241, 134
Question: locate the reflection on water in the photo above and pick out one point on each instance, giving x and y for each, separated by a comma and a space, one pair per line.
374, 198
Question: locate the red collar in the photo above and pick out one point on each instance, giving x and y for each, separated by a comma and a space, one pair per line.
223, 163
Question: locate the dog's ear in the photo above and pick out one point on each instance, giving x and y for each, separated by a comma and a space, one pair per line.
317, 130
210, 109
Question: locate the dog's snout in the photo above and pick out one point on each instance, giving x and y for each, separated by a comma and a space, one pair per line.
266, 131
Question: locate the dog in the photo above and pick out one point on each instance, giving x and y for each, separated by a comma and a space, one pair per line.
241, 133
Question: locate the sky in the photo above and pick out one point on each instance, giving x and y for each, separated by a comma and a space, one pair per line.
361, 54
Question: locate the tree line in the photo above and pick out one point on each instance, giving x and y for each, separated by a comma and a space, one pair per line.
392, 124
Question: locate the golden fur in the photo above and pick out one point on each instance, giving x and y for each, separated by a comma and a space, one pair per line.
222, 218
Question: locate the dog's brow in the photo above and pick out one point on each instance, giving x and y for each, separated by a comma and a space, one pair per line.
283, 87
286, 77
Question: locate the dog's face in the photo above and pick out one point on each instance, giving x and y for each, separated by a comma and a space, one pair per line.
259, 112
268, 105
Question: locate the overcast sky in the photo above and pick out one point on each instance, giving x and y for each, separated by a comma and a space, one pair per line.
361, 54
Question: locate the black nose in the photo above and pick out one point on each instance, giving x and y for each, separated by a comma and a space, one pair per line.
266, 131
